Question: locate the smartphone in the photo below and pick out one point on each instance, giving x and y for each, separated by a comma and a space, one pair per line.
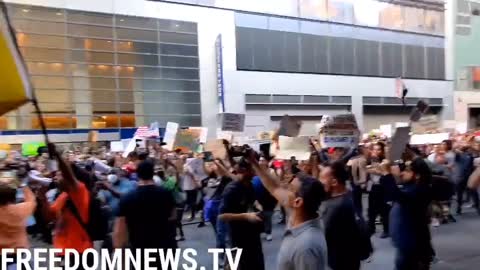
208, 156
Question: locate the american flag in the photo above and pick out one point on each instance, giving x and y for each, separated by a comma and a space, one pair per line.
148, 132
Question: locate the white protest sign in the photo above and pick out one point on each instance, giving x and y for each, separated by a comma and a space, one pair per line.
170, 134
130, 147
116, 146
203, 133
339, 131
401, 124
386, 130
224, 135
232, 122
429, 138
298, 147
461, 128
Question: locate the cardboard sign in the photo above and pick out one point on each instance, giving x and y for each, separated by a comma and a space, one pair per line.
116, 146
217, 148
436, 138
187, 140
339, 131
399, 141
232, 122
289, 127
427, 123
298, 147
169, 137
203, 133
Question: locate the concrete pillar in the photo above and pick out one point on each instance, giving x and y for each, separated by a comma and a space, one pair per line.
448, 112
82, 100
357, 110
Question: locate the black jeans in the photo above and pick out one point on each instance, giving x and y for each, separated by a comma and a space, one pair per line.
410, 260
192, 201
357, 193
377, 206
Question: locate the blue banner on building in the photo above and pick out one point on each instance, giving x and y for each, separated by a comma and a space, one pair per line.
220, 84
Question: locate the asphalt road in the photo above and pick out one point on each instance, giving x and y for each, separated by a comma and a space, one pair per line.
457, 246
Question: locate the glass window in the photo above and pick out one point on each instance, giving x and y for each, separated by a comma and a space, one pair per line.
159, 85
93, 57
313, 9
91, 44
127, 120
102, 83
174, 61
177, 26
340, 11
57, 107
179, 73
98, 107
51, 82
30, 12
54, 121
26, 26
93, 70
136, 34
178, 49
125, 97
367, 12
178, 38
139, 72
136, 22
434, 22
32, 40
414, 19
391, 16
89, 18
40, 68
41, 54
128, 107
137, 59
53, 96
100, 96
138, 47
89, 31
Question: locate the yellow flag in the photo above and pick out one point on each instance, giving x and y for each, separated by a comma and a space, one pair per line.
14, 83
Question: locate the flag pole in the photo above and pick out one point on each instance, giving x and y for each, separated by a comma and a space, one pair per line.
33, 99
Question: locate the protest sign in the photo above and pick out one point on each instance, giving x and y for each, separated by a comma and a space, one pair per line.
203, 133
116, 146
401, 124
436, 138
428, 123
232, 122
298, 147
217, 148
187, 140
386, 130
169, 137
289, 127
225, 135
339, 131
399, 141
31, 148
130, 147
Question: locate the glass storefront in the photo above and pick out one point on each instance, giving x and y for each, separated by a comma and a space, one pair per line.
95, 70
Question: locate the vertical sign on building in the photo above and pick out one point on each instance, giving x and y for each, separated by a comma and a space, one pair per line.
219, 63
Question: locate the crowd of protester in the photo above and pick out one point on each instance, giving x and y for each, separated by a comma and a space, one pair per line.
72, 198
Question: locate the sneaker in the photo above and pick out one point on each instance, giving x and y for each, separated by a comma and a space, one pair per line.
268, 237
435, 222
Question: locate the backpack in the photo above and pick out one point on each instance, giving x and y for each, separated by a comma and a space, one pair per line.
365, 246
97, 226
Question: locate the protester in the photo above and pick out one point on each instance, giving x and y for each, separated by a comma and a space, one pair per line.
409, 217
244, 226
341, 229
304, 245
146, 215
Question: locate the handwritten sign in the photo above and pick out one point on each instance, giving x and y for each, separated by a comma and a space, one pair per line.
298, 147
232, 122
169, 137
187, 140
203, 133
289, 127
217, 148
339, 131
436, 138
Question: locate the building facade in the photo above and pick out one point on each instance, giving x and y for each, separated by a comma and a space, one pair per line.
464, 39
114, 65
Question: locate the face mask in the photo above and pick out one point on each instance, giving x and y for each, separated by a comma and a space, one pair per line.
112, 178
